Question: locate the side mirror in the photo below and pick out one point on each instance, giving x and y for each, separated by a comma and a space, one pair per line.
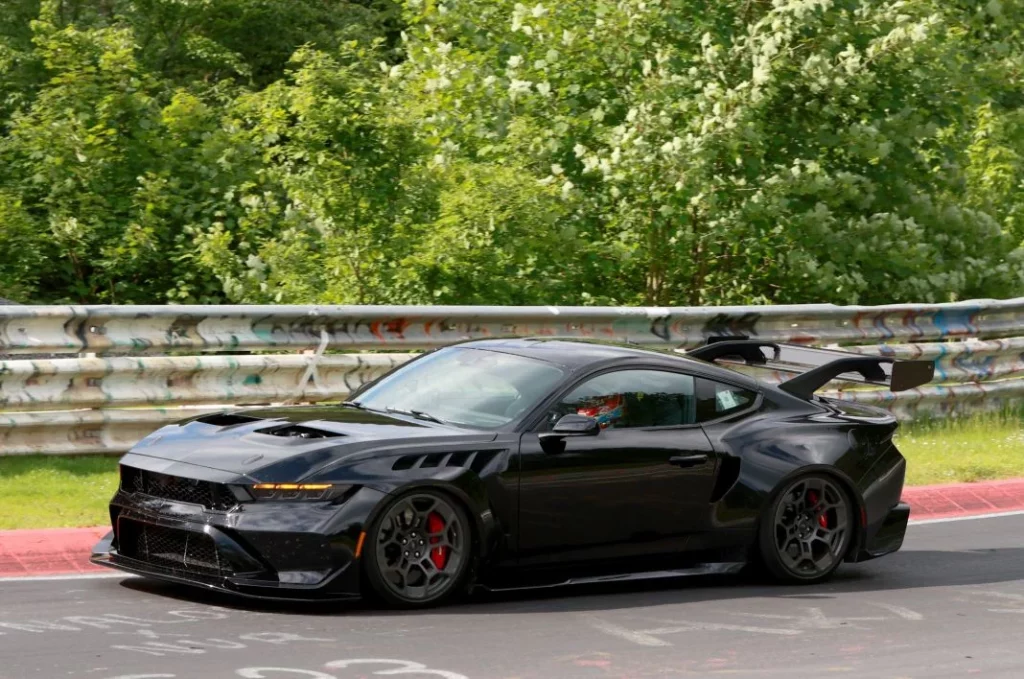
569, 426
576, 425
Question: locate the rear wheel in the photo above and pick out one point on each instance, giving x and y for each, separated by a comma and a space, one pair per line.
418, 550
807, 531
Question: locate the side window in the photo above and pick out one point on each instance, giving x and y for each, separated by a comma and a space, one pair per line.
632, 398
718, 400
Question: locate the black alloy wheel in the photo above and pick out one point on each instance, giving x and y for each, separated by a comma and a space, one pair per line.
419, 550
807, 531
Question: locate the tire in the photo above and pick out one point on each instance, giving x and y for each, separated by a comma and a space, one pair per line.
419, 550
807, 530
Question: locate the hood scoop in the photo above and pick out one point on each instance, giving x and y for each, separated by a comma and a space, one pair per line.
227, 419
298, 431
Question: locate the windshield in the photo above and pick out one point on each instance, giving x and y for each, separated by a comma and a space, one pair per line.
469, 387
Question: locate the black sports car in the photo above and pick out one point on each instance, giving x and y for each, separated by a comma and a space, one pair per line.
524, 462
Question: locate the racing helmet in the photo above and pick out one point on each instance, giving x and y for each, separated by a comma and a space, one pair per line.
607, 410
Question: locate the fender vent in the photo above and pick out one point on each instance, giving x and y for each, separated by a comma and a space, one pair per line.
226, 419
433, 460
405, 462
482, 459
727, 476
475, 460
297, 431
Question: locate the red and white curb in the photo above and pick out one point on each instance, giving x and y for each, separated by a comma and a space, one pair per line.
959, 501
50, 552
63, 553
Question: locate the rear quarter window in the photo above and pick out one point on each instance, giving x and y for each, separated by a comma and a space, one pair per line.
716, 400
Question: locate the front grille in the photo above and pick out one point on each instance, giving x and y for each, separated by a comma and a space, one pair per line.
177, 488
169, 548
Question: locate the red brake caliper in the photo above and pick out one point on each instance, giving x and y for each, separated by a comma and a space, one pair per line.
812, 498
438, 555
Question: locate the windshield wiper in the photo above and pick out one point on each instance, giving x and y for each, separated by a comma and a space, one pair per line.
418, 414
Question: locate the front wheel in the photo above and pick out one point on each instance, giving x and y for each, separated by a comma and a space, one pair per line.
807, 531
418, 550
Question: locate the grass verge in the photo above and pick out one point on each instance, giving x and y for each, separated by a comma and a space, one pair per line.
978, 448
37, 491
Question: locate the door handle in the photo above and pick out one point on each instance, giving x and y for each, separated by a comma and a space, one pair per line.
688, 460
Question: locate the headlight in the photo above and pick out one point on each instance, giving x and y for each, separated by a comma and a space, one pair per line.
299, 492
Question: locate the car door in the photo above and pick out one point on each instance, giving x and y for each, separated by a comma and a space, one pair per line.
639, 488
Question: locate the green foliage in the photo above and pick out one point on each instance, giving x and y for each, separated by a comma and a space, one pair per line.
663, 152
20, 249
327, 213
785, 152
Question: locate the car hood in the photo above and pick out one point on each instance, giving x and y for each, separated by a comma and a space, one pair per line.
277, 445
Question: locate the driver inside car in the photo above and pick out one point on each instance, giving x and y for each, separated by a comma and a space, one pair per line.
607, 410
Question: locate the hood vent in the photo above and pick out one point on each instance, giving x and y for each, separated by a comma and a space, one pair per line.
476, 460
227, 419
297, 431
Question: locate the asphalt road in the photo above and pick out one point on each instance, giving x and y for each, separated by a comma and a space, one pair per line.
950, 604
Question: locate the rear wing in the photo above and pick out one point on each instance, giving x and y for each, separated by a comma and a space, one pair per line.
814, 368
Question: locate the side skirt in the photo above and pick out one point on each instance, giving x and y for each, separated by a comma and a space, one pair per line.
702, 569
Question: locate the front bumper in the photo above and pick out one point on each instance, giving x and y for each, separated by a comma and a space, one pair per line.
297, 551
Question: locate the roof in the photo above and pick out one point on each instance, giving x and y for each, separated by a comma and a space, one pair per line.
576, 354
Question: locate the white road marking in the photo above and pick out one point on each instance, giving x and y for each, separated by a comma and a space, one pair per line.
639, 638
1016, 598
951, 519
1000, 595
814, 619
902, 612
687, 626
404, 667
650, 637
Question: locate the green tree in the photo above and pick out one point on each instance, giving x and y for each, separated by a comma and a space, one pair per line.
664, 152
329, 214
21, 247
739, 152
121, 143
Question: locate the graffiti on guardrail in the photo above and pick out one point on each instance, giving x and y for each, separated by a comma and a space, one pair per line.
107, 403
177, 328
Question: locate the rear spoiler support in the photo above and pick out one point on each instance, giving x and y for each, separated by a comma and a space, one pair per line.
817, 367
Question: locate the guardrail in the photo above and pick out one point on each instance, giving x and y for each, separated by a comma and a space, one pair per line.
106, 403
175, 328
185, 380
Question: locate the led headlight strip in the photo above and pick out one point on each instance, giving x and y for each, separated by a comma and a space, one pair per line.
294, 491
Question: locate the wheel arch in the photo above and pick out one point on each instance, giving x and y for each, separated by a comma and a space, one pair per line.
842, 479
482, 523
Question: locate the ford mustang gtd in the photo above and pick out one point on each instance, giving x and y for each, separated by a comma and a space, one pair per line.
520, 463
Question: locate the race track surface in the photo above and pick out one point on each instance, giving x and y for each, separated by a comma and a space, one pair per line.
950, 604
